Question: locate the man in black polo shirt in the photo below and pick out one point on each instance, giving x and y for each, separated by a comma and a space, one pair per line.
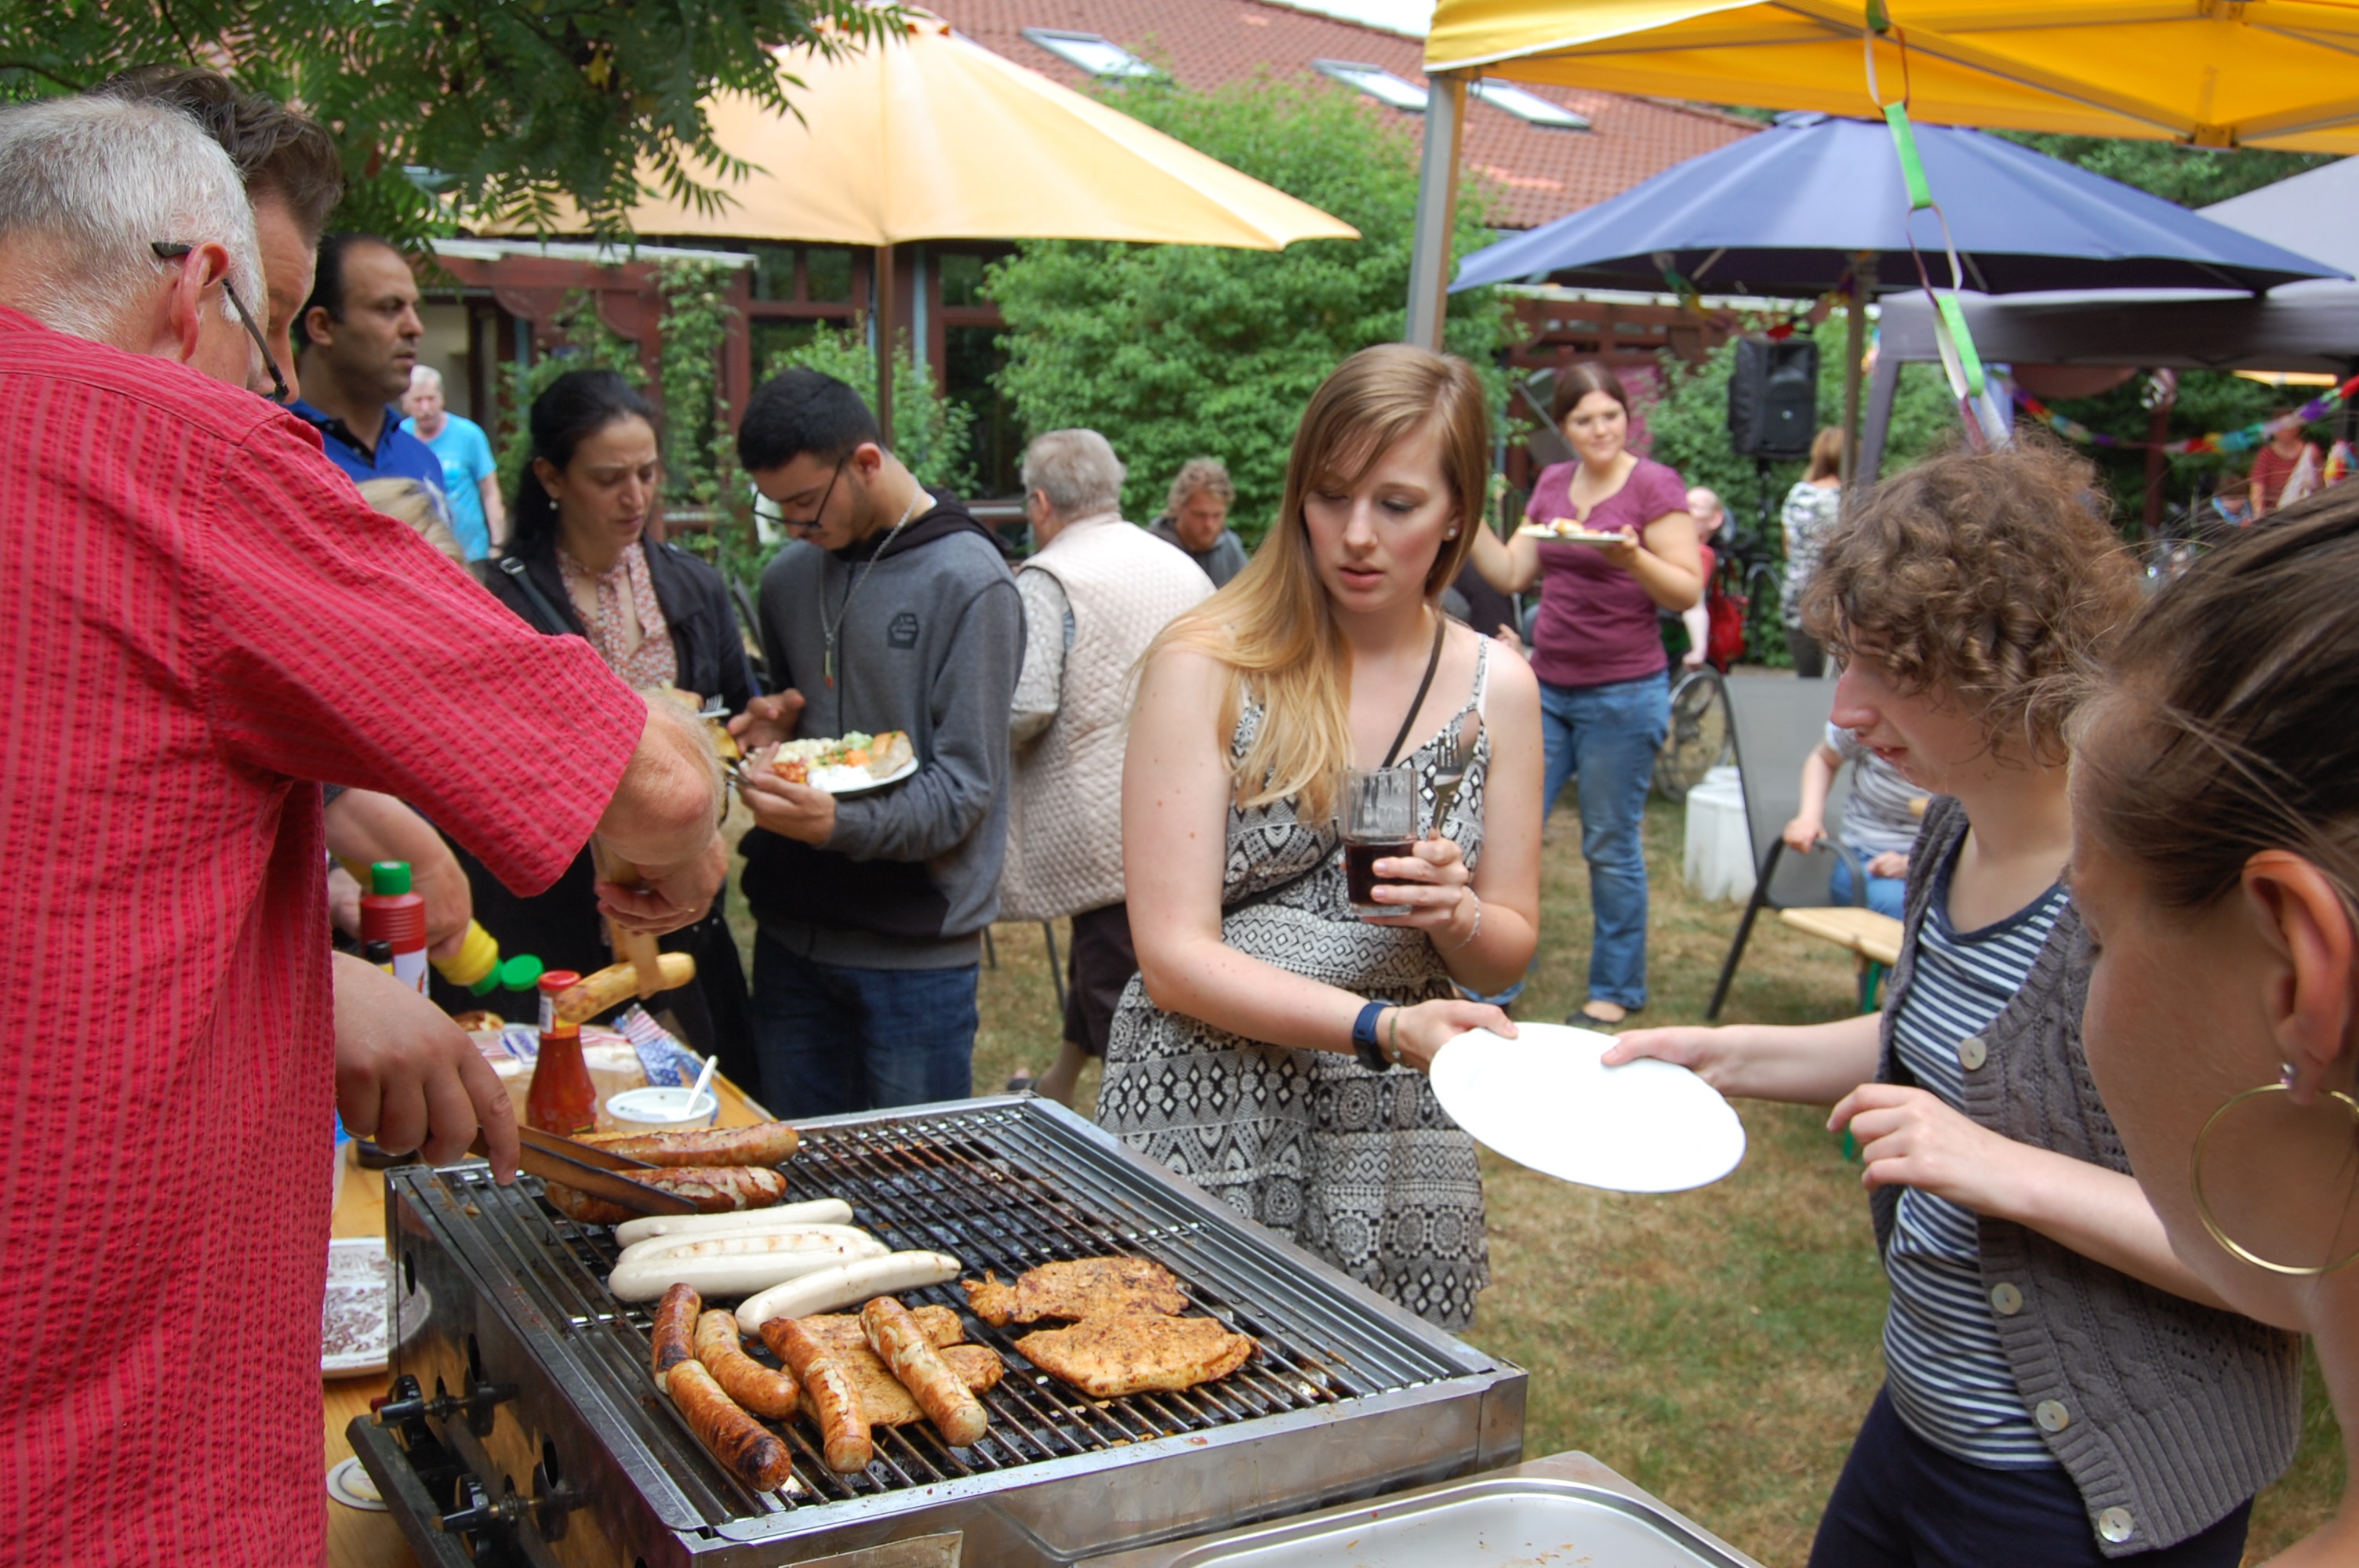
360, 332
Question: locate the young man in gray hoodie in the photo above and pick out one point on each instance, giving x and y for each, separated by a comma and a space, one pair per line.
893, 609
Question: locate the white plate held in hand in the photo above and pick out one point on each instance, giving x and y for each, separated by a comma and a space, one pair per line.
1542, 1101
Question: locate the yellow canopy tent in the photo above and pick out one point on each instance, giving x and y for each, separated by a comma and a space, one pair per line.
930, 137
2213, 73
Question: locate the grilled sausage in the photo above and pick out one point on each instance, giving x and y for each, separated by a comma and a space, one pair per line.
757, 1387
617, 983
819, 1211
732, 1265
751, 1452
903, 1346
713, 1189
763, 1143
847, 1284
675, 1331
827, 1394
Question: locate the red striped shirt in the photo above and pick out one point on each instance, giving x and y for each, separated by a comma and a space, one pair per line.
198, 614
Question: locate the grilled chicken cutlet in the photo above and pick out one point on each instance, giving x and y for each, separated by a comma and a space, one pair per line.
1086, 1287
1136, 1353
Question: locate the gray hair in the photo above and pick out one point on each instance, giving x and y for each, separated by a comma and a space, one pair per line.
1077, 471
425, 376
1208, 474
102, 180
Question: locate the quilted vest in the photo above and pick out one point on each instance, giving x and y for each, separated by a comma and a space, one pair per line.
1064, 830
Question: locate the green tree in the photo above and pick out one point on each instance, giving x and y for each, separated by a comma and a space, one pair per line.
929, 432
1175, 352
2192, 177
512, 108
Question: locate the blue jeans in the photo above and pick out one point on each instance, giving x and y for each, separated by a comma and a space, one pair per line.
1606, 736
1886, 895
1902, 1503
833, 1040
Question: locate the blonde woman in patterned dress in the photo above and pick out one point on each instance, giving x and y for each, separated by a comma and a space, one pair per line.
1273, 1047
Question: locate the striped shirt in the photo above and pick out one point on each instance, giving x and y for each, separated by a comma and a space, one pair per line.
1948, 1379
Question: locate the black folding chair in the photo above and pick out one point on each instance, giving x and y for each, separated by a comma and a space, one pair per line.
1775, 722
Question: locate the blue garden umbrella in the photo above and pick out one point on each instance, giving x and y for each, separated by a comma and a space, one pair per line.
1786, 212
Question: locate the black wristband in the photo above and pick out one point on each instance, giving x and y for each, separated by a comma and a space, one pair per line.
1364, 1038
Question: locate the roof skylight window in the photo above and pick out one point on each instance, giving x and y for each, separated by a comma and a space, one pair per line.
1377, 82
1088, 51
1529, 107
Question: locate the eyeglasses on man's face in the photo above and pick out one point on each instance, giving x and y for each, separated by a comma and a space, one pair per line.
173, 250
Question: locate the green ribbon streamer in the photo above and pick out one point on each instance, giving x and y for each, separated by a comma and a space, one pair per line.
1912, 167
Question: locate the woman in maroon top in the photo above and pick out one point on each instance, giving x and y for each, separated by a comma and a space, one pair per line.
1604, 692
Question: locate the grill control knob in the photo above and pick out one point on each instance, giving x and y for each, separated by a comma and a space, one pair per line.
483, 1514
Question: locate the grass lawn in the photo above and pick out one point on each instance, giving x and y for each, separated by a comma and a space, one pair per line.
1718, 1347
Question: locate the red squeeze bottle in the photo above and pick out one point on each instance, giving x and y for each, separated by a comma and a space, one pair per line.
562, 1099
390, 912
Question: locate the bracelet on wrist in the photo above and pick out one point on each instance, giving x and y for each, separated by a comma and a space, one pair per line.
1364, 1044
1392, 1038
1477, 929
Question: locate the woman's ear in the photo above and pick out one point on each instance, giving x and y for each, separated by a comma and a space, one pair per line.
552, 477
2311, 992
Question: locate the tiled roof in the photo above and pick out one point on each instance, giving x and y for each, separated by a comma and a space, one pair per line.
1540, 174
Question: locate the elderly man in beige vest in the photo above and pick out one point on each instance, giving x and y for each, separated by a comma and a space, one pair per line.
1095, 593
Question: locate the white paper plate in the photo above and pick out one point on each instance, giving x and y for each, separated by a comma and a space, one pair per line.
1542, 1101
895, 776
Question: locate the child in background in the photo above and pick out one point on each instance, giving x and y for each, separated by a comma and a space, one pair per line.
1879, 822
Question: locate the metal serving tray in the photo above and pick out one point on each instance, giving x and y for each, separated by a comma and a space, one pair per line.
1556, 1512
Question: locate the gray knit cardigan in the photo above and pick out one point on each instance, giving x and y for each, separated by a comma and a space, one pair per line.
2167, 1414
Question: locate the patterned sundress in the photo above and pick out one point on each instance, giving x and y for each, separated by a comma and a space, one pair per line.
1363, 1169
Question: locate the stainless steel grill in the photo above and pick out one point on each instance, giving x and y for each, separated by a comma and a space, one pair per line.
538, 1373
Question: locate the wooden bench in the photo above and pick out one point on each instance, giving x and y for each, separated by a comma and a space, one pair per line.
1872, 939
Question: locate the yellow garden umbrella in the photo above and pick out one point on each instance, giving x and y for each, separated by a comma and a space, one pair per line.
2213, 73
927, 136
2216, 73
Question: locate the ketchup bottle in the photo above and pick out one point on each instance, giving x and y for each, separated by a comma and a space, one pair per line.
390, 912
562, 1099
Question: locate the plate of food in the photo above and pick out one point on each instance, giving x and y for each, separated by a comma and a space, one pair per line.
1545, 1100
853, 763
352, 1312
1565, 531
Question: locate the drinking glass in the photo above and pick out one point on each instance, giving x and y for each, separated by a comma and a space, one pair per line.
1379, 822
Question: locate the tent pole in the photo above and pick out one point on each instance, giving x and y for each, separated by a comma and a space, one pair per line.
881, 296
1437, 208
1862, 288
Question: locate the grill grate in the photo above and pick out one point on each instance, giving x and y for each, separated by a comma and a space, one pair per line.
1003, 1187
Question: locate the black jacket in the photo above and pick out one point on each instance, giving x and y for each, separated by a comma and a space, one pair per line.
706, 643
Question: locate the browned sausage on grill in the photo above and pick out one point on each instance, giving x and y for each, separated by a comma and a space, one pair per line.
763, 1143
674, 1334
754, 1454
902, 1345
713, 1189
762, 1389
827, 1395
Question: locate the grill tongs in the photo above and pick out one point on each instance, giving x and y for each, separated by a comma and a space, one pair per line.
587, 1168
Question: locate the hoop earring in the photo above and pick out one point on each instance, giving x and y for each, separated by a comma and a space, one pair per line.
2203, 1204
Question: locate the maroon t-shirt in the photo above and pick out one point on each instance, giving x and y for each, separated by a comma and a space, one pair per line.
1596, 624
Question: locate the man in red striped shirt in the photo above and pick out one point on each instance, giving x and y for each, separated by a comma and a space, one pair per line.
200, 618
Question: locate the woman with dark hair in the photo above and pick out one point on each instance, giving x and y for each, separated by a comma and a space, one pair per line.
2215, 859
578, 564
1604, 683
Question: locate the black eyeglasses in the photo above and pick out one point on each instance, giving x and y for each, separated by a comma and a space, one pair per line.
173, 250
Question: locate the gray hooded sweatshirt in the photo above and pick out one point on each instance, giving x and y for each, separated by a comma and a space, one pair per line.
931, 644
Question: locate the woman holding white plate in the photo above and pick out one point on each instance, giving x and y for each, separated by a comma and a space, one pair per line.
2061, 1388
1273, 1045
1605, 696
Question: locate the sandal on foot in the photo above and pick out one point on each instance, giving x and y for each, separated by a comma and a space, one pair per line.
1619, 1015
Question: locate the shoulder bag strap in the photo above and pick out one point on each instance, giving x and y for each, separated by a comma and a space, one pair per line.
551, 622
1432, 663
